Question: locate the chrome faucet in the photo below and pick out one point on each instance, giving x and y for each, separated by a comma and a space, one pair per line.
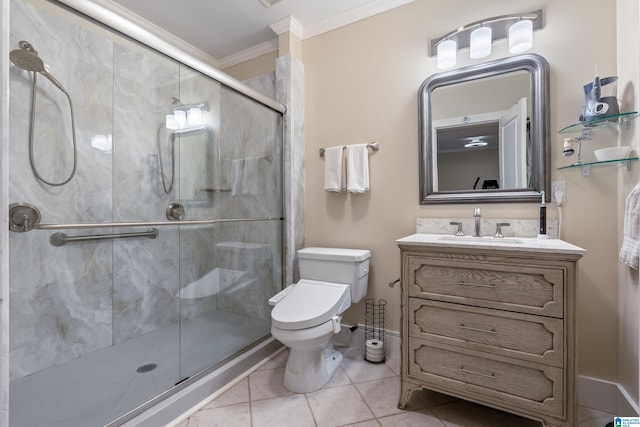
476, 216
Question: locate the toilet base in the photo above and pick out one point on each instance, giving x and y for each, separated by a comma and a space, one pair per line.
309, 371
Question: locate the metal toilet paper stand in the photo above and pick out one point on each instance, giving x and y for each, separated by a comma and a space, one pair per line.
375, 350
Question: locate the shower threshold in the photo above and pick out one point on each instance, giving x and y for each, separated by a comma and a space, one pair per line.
101, 386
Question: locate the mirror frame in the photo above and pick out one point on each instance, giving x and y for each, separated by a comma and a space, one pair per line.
538, 69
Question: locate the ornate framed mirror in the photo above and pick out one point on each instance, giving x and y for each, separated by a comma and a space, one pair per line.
484, 133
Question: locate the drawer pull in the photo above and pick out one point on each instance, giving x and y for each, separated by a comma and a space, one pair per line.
486, 331
478, 285
480, 374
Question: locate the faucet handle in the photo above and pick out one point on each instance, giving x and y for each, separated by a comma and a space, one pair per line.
459, 224
477, 212
499, 228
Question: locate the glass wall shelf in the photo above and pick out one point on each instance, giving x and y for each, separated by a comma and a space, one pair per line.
612, 120
604, 162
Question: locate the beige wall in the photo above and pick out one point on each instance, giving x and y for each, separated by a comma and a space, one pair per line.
261, 65
628, 294
361, 85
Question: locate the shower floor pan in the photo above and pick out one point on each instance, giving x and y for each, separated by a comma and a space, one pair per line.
101, 386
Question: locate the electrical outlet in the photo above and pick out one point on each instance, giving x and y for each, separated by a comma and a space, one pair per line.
559, 186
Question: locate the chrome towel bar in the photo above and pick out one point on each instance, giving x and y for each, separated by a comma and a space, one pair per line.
61, 239
374, 146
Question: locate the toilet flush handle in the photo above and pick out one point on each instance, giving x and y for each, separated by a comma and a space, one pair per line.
335, 322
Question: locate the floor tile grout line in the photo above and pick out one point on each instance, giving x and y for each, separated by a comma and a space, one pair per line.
250, 400
375, 417
313, 416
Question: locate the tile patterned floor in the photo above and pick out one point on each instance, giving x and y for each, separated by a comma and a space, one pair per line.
359, 394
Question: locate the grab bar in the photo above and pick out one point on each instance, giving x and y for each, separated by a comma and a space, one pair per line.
61, 239
147, 224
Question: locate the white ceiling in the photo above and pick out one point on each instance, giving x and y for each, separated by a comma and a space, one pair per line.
225, 28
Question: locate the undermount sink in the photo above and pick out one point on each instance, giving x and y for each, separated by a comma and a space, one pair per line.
484, 239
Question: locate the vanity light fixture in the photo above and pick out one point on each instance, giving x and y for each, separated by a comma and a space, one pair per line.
479, 36
185, 115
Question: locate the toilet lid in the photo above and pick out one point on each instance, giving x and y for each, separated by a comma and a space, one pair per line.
310, 303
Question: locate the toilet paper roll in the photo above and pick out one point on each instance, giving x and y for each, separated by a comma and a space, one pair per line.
374, 358
375, 350
374, 344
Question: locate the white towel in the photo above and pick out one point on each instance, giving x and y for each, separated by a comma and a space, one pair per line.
237, 171
333, 169
357, 168
630, 250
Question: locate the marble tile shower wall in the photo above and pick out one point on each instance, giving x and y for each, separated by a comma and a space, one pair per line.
60, 298
72, 300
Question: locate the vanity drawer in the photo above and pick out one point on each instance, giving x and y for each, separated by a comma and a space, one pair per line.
529, 386
520, 288
523, 336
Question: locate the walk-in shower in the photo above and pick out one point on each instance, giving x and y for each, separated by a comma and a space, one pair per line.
150, 270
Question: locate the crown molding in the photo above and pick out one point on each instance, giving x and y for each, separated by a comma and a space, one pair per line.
288, 24
248, 54
349, 17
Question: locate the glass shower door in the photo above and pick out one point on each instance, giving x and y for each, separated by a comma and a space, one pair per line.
228, 270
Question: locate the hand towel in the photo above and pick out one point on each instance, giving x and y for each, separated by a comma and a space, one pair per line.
237, 175
333, 169
630, 250
357, 168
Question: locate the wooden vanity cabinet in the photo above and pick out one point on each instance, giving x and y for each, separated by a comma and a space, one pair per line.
492, 325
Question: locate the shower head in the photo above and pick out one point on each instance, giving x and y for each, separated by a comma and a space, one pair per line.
27, 58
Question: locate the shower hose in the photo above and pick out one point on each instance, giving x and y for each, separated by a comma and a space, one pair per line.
31, 132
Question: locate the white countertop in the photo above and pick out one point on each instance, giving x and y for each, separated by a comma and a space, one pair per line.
523, 244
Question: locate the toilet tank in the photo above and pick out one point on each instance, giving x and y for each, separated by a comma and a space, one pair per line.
337, 265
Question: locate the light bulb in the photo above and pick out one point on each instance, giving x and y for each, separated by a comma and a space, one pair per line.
447, 54
170, 122
180, 117
521, 36
480, 43
194, 116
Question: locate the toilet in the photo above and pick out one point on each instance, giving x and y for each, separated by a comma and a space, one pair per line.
307, 314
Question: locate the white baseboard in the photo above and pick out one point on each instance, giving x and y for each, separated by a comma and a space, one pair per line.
606, 396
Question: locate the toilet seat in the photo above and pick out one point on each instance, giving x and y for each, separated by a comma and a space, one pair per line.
310, 303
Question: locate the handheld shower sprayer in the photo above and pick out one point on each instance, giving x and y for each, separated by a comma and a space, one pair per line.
27, 59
